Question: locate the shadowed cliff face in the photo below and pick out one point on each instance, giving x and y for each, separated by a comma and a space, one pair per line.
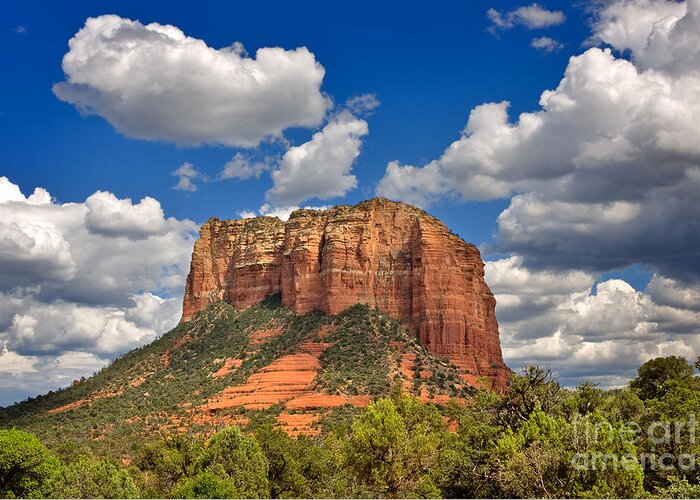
388, 255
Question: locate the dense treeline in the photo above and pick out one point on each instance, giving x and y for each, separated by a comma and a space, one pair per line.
537, 440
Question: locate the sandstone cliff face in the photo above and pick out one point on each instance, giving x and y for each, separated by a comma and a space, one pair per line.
385, 254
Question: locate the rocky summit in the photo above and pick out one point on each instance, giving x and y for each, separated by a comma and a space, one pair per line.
387, 255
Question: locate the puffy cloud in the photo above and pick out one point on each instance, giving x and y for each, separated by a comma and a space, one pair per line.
320, 168
243, 167
247, 214
420, 186
606, 173
642, 27
186, 176
546, 44
117, 249
83, 281
660, 230
10, 192
616, 310
281, 213
42, 373
59, 327
30, 249
668, 292
523, 294
15, 364
601, 332
605, 119
531, 16
110, 216
154, 82
79, 361
33, 249
661, 35
154, 313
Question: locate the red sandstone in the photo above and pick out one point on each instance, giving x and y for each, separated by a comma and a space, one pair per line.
381, 253
229, 366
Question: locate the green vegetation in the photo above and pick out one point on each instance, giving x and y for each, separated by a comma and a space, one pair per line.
94, 478
394, 449
231, 463
538, 440
152, 391
654, 374
364, 349
26, 466
130, 430
358, 362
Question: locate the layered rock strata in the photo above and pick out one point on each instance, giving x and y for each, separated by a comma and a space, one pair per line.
389, 255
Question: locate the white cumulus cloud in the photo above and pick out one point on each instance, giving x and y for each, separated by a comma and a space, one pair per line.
110, 216
83, 281
10, 192
31, 249
187, 177
585, 330
243, 167
531, 16
546, 44
643, 28
320, 168
154, 82
606, 173
14, 364
59, 327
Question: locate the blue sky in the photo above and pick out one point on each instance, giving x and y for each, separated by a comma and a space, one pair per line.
427, 66
580, 190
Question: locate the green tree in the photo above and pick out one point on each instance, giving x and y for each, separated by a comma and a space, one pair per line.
535, 388
205, 484
669, 428
464, 468
285, 469
163, 463
533, 461
622, 405
588, 397
656, 372
394, 448
679, 488
26, 466
238, 459
94, 478
322, 464
549, 457
605, 459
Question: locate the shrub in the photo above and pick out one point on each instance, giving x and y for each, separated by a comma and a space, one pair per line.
26, 466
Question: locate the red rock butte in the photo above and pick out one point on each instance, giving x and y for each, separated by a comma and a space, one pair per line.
388, 255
